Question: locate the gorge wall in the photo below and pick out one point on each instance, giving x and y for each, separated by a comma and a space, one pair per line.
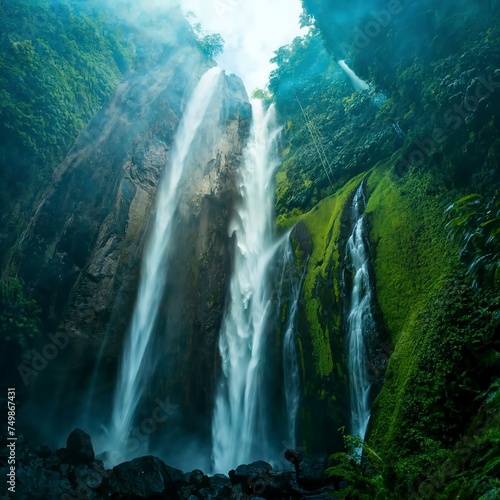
80, 251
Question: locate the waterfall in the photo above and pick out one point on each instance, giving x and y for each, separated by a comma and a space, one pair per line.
239, 427
360, 322
132, 377
356, 81
291, 374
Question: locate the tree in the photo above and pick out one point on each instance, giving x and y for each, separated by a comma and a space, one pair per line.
262, 94
212, 45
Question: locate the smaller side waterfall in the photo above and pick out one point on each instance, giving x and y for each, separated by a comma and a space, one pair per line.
360, 322
291, 375
356, 81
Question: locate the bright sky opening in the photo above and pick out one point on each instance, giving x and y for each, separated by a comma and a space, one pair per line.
252, 31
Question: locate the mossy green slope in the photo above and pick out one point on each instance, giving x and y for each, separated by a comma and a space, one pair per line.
323, 223
411, 262
321, 342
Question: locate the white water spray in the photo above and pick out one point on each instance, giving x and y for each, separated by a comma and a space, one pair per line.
239, 427
356, 81
131, 379
360, 320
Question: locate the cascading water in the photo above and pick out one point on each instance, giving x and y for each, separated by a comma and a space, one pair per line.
291, 375
356, 81
131, 378
239, 427
360, 322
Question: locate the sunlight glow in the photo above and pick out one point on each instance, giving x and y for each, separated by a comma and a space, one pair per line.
252, 30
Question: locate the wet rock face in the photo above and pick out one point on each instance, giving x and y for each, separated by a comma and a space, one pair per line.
200, 263
81, 250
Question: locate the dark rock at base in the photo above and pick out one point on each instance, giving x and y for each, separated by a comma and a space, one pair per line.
42, 474
220, 487
144, 477
79, 450
254, 468
259, 480
52, 462
43, 451
197, 478
34, 482
309, 472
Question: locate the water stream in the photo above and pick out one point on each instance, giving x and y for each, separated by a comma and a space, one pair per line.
291, 375
132, 377
360, 321
356, 81
240, 421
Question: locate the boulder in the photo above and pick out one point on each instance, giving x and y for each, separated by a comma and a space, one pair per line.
220, 487
260, 480
309, 473
145, 477
79, 450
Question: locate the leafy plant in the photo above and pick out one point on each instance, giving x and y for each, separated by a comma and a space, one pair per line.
365, 477
475, 224
211, 44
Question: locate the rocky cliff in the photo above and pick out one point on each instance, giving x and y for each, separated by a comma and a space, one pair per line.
80, 253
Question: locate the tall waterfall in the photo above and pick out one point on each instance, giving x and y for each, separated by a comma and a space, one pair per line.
291, 375
361, 325
132, 376
239, 427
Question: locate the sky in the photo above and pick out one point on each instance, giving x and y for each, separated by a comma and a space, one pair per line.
252, 30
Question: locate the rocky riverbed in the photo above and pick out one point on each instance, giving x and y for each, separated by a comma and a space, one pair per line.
74, 473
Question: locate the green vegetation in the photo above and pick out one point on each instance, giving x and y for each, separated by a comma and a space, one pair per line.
210, 44
19, 316
325, 123
475, 225
58, 67
323, 223
409, 242
427, 136
444, 439
362, 485
59, 64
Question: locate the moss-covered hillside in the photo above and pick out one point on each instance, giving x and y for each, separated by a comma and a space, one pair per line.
423, 136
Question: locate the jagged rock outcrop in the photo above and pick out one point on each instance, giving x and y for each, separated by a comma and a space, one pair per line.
81, 249
43, 474
200, 261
